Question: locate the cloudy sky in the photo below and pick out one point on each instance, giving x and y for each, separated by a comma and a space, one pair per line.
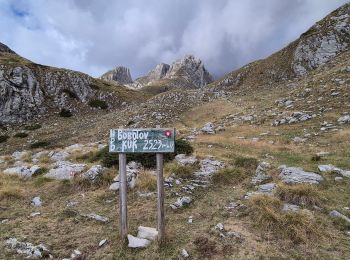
94, 36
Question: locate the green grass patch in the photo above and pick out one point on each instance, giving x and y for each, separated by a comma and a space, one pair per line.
4, 138
98, 103
246, 162
21, 135
41, 181
182, 171
230, 176
32, 127
39, 144
65, 113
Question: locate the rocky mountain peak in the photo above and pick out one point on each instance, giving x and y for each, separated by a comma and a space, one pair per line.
192, 69
4, 48
158, 72
119, 74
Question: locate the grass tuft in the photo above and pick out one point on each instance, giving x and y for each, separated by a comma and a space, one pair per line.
246, 162
181, 171
147, 182
229, 176
298, 227
301, 194
10, 193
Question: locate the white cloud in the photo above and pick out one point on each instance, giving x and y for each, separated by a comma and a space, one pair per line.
94, 36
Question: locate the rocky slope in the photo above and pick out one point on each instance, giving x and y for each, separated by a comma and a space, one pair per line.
30, 90
322, 42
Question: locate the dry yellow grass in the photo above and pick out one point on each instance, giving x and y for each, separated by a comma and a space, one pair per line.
146, 182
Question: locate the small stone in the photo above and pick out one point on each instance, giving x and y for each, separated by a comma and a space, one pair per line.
34, 214
208, 128
102, 242
184, 253
338, 178
96, 217
147, 233
336, 214
190, 219
290, 207
219, 227
135, 242
37, 202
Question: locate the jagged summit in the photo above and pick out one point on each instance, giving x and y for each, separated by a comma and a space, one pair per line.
188, 71
119, 74
5, 48
192, 69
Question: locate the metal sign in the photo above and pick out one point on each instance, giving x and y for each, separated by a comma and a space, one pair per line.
142, 140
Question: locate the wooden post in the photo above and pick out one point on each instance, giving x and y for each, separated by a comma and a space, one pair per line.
123, 207
160, 192
160, 189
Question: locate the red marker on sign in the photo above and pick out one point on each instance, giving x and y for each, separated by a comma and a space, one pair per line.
167, 133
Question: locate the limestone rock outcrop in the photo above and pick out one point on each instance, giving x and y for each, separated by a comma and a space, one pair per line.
323, 41
192, 69
119, 74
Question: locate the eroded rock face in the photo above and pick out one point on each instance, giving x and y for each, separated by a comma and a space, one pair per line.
24, 91
119, 74
323, 41
191, 69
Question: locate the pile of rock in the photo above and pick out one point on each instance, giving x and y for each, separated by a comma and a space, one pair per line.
144, 237
293, 118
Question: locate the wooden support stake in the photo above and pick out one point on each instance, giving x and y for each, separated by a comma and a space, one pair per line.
123, 207
160, 190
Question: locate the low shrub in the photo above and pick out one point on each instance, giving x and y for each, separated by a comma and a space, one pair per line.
70, 93
21, 135
246, 162
39, 144
3, 138
65, 113
98, 103
32, 127
40, 171
182, 171
316, 158
229, 176
183, 147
